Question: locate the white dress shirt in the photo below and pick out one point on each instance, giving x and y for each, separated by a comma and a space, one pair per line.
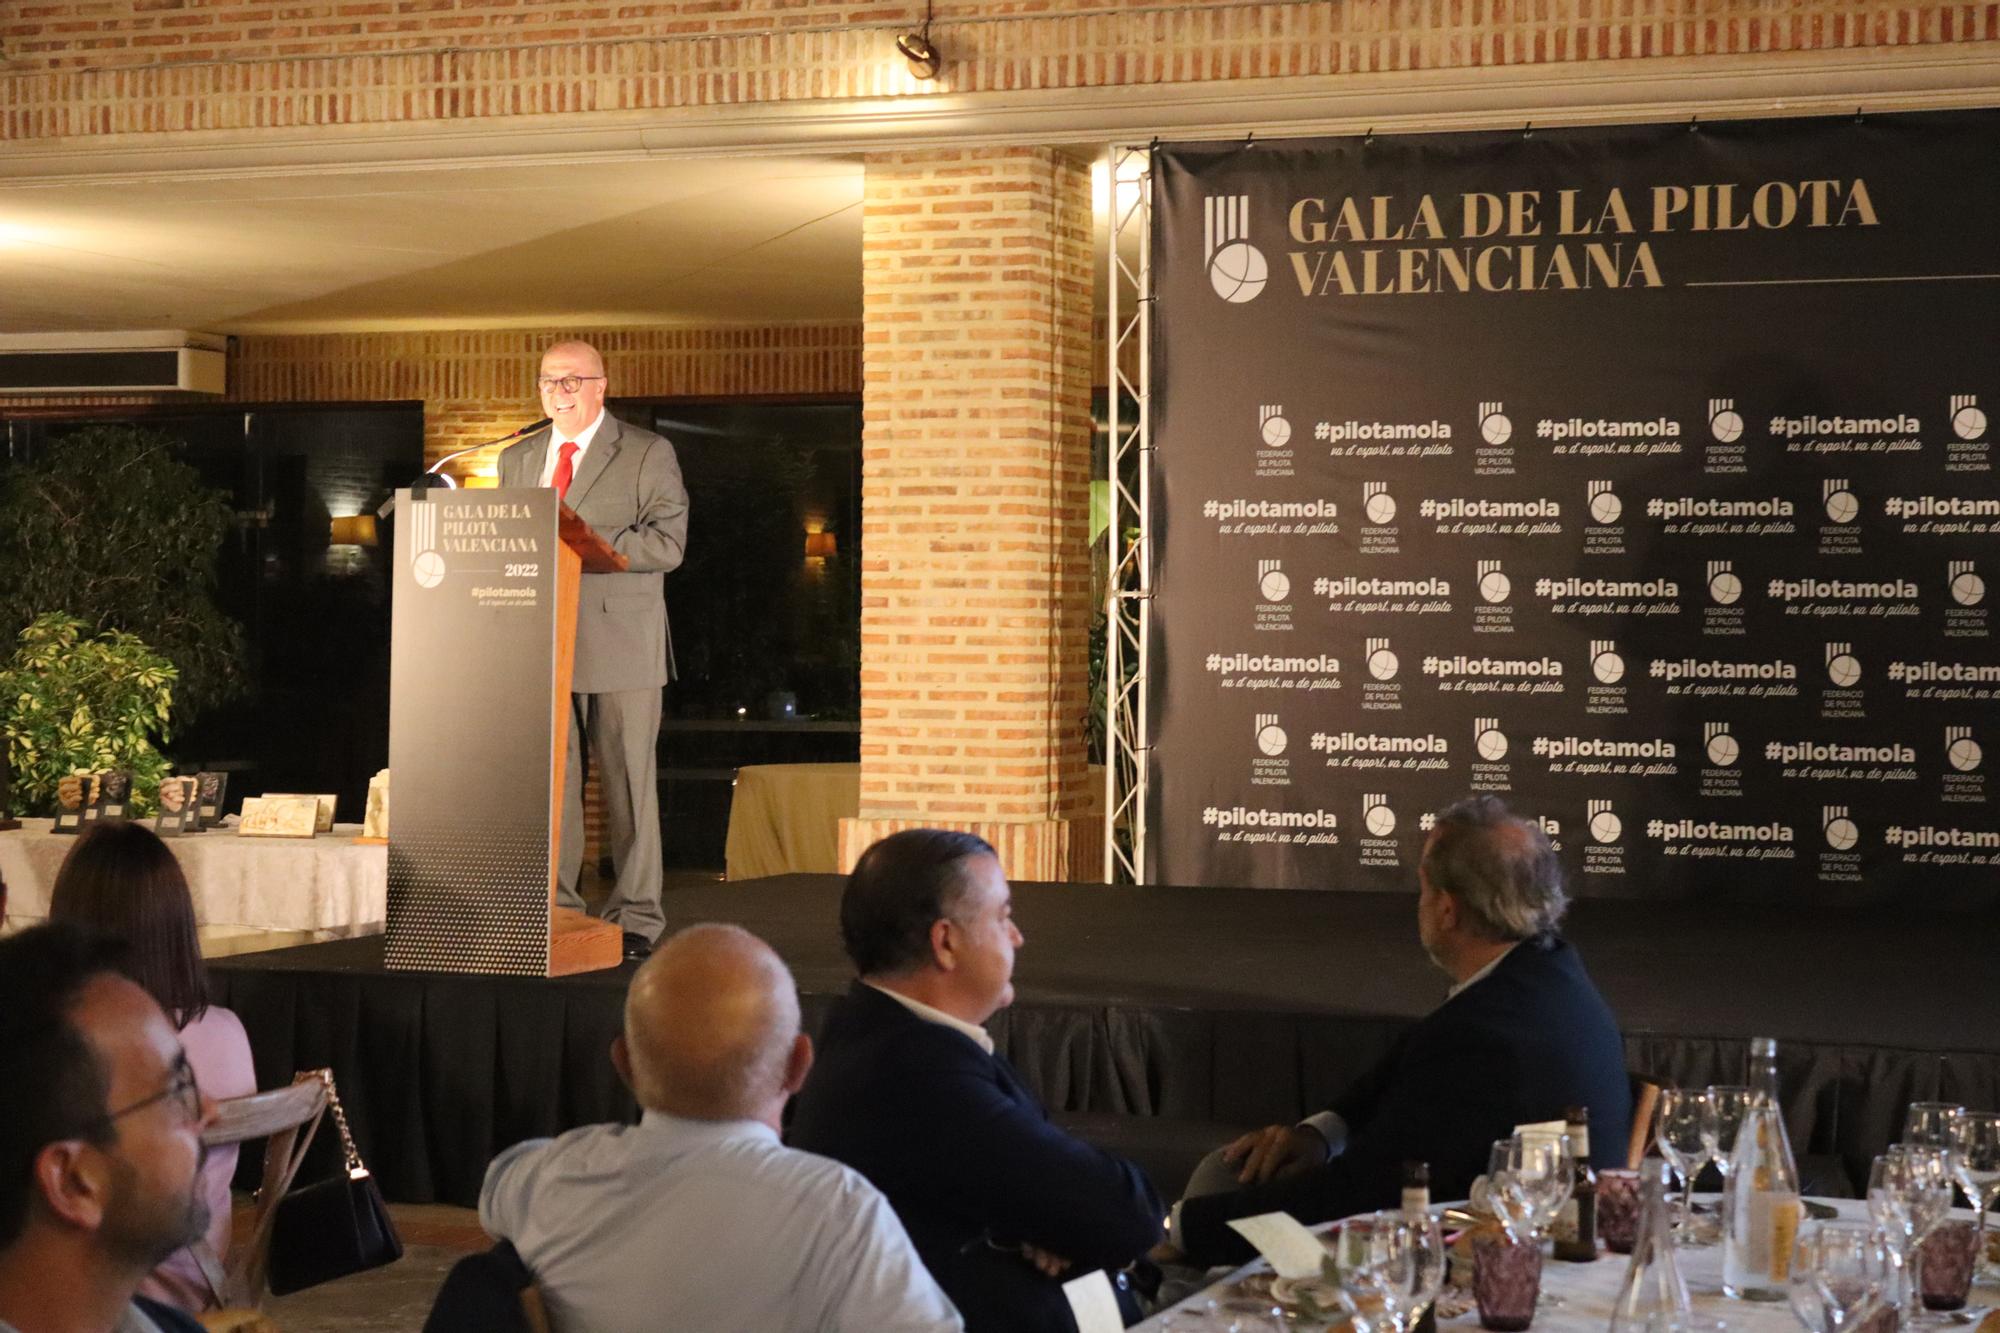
979, 1035
582, 442
709, 1225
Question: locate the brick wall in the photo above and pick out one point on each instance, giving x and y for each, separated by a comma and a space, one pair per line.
976, 301
75, 67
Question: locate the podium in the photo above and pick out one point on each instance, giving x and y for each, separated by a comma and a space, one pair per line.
483, 639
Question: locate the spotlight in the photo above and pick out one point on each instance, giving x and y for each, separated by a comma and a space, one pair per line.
916, 47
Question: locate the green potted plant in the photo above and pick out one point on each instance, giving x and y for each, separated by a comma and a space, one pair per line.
74, 702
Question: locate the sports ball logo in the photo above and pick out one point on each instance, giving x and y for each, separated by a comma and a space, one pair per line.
1272, 582
1968, 420
426, 564
1377, 503
1376, 816
1236, 269
1967, 588
1841, 832
1493, 585
1605, 507
1488, 739
1841, 506
1605, 827
1382, 663
1494, 427
1721, 746
1271, 737
1724, 588
1843, 668
1724, 422
1960, 750
1272, 428
1605, 662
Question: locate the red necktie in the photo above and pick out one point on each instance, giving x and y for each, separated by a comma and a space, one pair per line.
565, 468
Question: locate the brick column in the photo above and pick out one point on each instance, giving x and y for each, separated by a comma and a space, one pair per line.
976, 315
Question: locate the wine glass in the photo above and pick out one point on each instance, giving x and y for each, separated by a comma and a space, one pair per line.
1931, 1124
1400, 1261
1909, 1193
1508, 1192
1730, 1104
1685, 1117
1975, 1163
1838, 1275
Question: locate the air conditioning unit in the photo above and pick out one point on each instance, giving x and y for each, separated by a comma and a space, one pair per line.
139, 361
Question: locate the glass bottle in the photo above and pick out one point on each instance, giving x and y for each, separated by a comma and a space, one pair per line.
1761, 1205
1576, 1230
1653, 1296
1416, 1189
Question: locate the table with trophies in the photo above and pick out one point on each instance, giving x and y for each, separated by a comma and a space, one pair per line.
1633, 1252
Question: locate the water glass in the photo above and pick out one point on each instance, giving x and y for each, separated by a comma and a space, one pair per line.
1506, 1280
1839, 1275
1618, 1209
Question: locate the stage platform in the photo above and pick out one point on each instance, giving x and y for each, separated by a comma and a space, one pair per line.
1181, 1006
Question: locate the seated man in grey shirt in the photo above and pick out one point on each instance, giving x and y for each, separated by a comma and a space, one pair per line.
698, 1217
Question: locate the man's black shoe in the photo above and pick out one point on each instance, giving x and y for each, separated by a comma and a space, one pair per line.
637, 948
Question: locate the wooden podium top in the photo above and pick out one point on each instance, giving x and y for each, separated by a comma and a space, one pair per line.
589, 543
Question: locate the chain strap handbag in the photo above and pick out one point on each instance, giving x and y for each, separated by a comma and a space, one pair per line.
332, 1228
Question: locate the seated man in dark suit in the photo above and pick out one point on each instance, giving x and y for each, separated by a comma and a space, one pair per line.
1001, 1204
1522, 1035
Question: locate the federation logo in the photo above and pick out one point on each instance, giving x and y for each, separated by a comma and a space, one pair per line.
1377, 503
1605, 827
1721, 746
1382, 663
1724, 422
1376, 816
1272, 428
1843, 668
1272, 583
1967, 588
1960, 750
1236, 269
1488, 739
426, 564
1271, 737
1724, 588
1968, 419
1841, 832
1494, 427
1493, 585
1841, 506
1605, 662
1605, 507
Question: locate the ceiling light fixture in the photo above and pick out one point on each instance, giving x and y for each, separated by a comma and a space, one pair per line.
917, 48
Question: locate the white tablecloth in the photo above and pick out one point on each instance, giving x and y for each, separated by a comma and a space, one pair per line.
1588, 1291
331, 882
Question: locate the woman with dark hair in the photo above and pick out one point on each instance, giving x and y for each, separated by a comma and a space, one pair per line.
121, 879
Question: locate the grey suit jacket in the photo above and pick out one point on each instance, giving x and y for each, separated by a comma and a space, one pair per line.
629, 488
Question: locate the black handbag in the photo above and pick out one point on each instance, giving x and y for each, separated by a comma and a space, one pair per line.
333, 1228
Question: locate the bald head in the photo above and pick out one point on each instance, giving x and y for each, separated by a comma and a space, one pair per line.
578, 353
712, 1027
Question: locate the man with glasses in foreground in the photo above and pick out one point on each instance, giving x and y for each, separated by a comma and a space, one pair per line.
100, 1140
625, 483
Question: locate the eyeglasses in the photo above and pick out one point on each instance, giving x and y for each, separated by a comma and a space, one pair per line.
183, 1088
567, 383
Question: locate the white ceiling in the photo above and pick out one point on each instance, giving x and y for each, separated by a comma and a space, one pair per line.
606, 243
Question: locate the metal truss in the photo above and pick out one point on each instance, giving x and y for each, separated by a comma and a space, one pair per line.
1129, 582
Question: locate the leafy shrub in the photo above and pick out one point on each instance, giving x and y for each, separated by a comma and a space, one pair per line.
77, 702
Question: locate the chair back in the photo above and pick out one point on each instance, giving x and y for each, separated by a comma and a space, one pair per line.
286, 1119
1645, 1105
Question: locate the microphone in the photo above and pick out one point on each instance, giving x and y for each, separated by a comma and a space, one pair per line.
420, 488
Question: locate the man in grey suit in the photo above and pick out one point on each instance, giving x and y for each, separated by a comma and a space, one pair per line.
626, 483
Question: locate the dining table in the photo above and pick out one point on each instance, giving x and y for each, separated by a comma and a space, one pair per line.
1575, 1297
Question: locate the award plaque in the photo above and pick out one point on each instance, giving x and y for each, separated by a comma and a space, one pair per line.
179, 808
6, 790
75, 794
279, 817
214, 787
114, 796
326, 803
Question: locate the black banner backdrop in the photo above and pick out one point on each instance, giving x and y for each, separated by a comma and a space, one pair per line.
1641, 475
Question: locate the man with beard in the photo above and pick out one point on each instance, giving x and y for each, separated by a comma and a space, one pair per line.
100, 1140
